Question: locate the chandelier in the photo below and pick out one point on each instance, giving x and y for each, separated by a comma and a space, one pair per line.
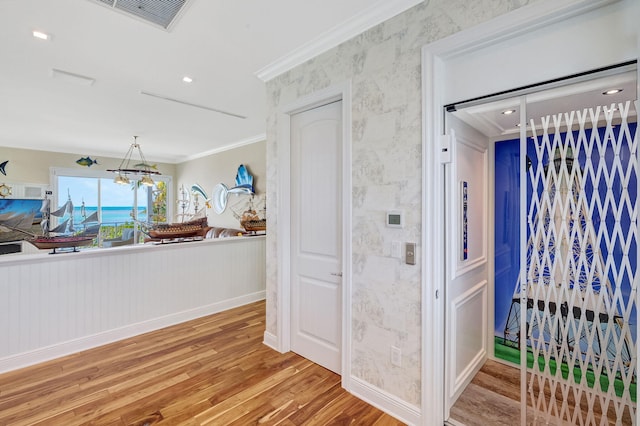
141, 168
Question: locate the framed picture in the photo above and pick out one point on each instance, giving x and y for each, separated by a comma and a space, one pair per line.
19, 217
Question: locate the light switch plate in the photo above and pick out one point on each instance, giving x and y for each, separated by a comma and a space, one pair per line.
396, 249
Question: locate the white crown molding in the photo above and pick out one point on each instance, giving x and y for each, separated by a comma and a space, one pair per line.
513, 24
254, 139
374, 15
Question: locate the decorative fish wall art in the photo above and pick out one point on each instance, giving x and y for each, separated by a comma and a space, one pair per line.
146, 166
86, 161
244, 178
3, 165
244, 185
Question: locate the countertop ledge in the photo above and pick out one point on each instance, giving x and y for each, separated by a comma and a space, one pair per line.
83, 253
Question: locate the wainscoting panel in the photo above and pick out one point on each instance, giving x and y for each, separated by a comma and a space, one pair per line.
51, 305
469, 321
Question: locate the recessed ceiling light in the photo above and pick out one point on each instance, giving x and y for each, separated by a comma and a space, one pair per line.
41, 35
187, 79
508, 111
612, 91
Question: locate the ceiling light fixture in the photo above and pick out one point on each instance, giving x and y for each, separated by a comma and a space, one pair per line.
41, 35
142, 168
612, 91
508, 111
187, 79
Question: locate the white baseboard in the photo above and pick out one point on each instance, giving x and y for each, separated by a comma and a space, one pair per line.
271, 340
390, 404
58, 350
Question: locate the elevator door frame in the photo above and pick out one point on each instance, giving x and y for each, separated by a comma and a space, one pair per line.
435, 59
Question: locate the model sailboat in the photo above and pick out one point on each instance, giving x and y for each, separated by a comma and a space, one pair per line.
63, 235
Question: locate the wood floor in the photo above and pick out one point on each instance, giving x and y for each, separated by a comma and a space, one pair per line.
210, 371
492, 397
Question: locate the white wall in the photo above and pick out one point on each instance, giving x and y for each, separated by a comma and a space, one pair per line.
221, 168
30, 166
599, 38
53, 305
27, 167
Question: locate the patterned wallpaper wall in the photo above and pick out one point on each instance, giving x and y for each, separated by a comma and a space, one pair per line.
384, 66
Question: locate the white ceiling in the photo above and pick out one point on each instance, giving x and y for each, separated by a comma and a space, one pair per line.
221, 44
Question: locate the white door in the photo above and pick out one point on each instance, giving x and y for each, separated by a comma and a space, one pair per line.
316, 235
466, 268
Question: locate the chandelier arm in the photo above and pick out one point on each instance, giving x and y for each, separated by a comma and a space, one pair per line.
144, 161
126, 159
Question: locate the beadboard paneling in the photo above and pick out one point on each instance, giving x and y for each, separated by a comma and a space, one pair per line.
80, 300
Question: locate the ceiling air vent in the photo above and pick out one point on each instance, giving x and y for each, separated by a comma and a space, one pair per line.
162, 13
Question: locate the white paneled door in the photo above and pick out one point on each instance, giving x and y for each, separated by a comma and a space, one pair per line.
316, 234
466, 290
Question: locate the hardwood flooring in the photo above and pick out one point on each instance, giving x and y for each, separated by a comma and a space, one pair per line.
493, 398
210, 371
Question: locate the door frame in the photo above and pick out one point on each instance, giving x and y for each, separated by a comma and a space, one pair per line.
330, 94
434, 80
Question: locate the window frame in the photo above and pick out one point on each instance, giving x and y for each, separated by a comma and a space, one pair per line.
56, 172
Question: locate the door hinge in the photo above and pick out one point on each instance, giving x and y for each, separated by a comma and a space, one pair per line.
445, 149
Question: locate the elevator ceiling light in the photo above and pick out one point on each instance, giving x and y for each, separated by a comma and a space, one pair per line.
187, 79
41, 35
612, 91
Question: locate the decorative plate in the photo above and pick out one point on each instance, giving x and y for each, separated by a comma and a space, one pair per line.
5, 190
220, 194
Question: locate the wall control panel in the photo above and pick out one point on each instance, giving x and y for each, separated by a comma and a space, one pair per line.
395, 219
410, 253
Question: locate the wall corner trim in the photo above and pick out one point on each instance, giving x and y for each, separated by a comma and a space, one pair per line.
374, 15
390, 404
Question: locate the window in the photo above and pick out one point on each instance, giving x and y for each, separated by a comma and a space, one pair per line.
118, 207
